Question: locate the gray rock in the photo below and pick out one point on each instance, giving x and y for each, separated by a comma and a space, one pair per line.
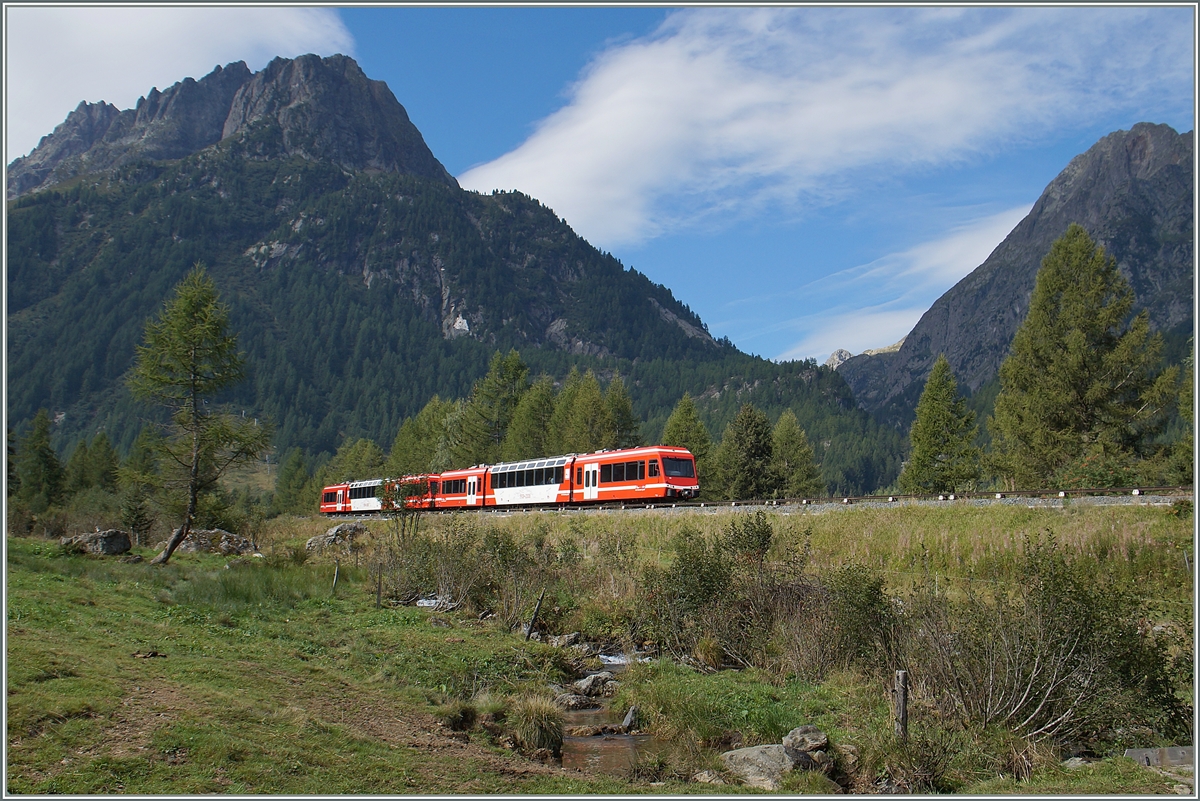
1074, 763
340, 536
631, 719
563, 640
214, 540
573, 701
708, 777
585, 649
806, 738
761, 766
102, 543
610, 688
593, 684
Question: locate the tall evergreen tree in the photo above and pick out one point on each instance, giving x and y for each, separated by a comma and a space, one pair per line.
189, 354
743, 467
289, 483
490, 409
1181, 469
943, 458
528, 433
627, 428
38, 467
560, 418
416, 442
793, 460
1079, 381
590, 426
76, 474
685, 429
102, 463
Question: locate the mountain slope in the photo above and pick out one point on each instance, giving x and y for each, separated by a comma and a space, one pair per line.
1132, 191
362, 280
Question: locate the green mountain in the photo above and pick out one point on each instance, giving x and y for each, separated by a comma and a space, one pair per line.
362, 280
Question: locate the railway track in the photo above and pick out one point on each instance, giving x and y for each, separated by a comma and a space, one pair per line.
1128, 495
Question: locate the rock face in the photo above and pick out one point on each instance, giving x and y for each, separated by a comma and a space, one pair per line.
838, 358
759, 766
101, 543
1132, 191
312, 107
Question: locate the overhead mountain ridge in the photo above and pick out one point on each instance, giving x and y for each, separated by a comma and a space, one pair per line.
326, 108
1132, 192
357, 292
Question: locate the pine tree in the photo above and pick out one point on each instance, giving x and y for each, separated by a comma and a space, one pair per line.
135, 514
487, 415
75, 473
684, 429
627, 428
793, 460
590, 425
416, 442
189, 354
102, 463
1181, 468
943, 458
743, 467
289, 483
1079, 381
38, 467
529, 431
560, 419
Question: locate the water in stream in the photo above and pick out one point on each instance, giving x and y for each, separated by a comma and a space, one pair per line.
613, 754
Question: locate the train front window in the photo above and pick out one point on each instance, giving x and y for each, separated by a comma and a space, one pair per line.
679, 468
330, 497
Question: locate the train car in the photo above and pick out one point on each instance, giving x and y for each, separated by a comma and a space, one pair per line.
635, 474
459, 489
533, 481
352, 497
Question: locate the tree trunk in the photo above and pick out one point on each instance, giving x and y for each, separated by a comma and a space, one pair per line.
193, 491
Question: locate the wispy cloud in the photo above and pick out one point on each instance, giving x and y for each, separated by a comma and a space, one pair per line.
875, 304
58, 56
722, 113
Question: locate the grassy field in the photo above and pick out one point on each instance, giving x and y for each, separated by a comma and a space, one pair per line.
259, 677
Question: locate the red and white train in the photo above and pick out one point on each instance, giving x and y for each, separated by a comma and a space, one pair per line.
632, 474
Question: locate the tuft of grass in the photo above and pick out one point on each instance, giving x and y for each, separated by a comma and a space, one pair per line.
536, 722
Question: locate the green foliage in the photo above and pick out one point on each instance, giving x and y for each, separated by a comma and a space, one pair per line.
489, 410
289, 484
187, 355
943, 458
589, 423
92, 465
136, 516
416, 442
684, 429
529, 433
38, 466
742, 464
564, 407
1182, 460
793, 460
749, 536
1079, 377
678, 599
627, 429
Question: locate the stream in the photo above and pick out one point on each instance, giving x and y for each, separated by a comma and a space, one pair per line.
614, 754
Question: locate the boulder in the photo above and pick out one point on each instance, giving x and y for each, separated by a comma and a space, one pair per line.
214, 540
805, 739
102, 543
573, 701
340, 536
708, 777
761, 766
563, 640
610, 688
593, 684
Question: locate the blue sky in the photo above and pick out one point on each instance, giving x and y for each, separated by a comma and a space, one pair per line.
804, 178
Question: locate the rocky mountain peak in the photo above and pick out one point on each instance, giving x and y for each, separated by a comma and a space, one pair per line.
324, 108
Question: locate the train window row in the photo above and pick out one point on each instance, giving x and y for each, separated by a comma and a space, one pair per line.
527, 478
329, 497
622, 471
362, 492
453, 486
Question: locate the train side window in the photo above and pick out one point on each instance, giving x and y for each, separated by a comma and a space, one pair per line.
558, 475
433, 488
520, 474
539, 477
653, 468
579, 476
641, 470
606, 473
618, 471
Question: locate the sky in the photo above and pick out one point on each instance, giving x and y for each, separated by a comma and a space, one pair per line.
803, 178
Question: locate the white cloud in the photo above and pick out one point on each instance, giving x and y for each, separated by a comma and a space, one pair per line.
727, 112
57, 56
875, 304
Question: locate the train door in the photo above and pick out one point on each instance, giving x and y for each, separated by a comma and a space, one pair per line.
472, 490
341, 501
591, 482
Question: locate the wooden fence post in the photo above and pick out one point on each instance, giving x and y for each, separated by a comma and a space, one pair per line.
536, 609
902, 704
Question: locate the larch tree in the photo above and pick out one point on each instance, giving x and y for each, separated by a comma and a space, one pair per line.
943, 458
793, 460
38, 467
1079, 382
490, 408
528, 433
627, 428
560, 418
416, 442
187, 356
590, 425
